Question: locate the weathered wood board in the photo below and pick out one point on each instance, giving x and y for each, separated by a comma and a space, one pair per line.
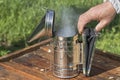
36, 65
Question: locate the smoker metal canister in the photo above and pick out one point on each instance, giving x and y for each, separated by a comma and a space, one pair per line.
66, 57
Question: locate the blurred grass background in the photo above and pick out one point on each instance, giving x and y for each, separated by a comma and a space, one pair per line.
18, 18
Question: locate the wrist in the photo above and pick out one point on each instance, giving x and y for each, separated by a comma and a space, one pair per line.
116, 5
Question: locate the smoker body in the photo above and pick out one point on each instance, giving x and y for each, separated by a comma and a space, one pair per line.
66, 57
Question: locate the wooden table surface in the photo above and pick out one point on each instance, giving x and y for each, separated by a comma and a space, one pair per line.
36, 65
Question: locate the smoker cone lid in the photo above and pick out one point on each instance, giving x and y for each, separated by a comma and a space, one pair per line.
45, 29
89, 38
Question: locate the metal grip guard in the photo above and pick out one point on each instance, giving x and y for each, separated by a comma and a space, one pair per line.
89, 38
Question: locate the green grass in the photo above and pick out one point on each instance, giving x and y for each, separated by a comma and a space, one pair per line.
109, 40
19, 17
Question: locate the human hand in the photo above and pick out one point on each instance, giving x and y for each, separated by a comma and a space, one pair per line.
104, 13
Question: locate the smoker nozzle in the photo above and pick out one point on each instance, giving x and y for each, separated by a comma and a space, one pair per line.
45, 29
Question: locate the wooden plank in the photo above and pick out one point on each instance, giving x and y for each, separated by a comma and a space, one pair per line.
105, 63
96, 69
36, 66
113, 74
33, 61
108, 55
101, 76
23, 70
24, 51
110, 68
9, 75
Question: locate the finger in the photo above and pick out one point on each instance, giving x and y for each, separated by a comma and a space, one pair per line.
101, 25
81, 25
83, 20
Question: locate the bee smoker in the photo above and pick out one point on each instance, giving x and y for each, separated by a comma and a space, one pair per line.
66, 53
70, 54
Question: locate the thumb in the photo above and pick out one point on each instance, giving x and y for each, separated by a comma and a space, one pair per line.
101, 25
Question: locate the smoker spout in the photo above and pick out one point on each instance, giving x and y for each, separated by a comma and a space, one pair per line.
45, 29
